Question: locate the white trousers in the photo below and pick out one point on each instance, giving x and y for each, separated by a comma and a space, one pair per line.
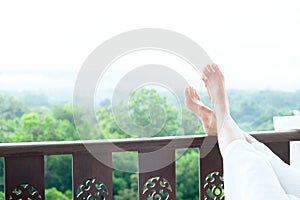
254, 172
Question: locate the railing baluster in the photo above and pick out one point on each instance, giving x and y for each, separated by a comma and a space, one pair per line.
92, 176
24, 177
157, 174
211, 171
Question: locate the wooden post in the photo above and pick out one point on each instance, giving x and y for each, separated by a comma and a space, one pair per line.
24, 177
157, 174
211, 171
92, 176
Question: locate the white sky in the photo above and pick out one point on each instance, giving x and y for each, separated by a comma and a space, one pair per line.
256, 43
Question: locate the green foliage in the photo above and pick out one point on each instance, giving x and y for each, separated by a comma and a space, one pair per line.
58, 172
11, 107
149, 108
63, 112
126, 194
254, 110
130, 192
54, 194
125, 167
147, 114
190, 124
187, 180
108, 127
69, 194
35, 100
34, 127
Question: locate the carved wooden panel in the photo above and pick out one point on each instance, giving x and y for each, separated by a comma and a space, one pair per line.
92, 176
211, 171
157, 188
92, 189
214, 186
24, 177
25, 191
157, 175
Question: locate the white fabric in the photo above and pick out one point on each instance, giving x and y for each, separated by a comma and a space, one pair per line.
295, 151
253, 172
289, 177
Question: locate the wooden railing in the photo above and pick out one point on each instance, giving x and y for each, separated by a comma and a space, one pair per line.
24, 165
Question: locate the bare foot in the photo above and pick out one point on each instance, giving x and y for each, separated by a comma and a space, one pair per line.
205, 114
215, 84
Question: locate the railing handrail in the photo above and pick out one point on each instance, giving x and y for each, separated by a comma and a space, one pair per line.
115, 145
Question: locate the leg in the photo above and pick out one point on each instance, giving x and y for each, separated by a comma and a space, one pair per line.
244, 168
288, 176
285, 173
228, 131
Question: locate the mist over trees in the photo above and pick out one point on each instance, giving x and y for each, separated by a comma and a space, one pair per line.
33, 117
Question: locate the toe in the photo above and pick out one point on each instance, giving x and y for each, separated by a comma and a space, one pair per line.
194, 93
216, 68
204, 77
211, 68
197, 96
186, 92
206, 70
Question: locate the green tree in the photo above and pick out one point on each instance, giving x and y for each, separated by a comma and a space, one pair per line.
54, 194
148, 107
145, 108
125, 167
63, 112
108, 127
187, 176
35, 100
11, 107
58, 172
129, 193
190, 124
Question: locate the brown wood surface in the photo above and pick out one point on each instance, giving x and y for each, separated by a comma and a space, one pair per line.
160, 164
281, 149
210, 162
24, 170
69, 147
87, 167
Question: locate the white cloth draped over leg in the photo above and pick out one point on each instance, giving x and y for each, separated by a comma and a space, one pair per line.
249, 174
288, 176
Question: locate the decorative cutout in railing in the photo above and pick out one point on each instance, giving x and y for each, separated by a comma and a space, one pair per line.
214, 186
92, 190
25, 191
157, 188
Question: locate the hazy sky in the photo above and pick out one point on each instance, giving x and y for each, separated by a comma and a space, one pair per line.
256, 42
